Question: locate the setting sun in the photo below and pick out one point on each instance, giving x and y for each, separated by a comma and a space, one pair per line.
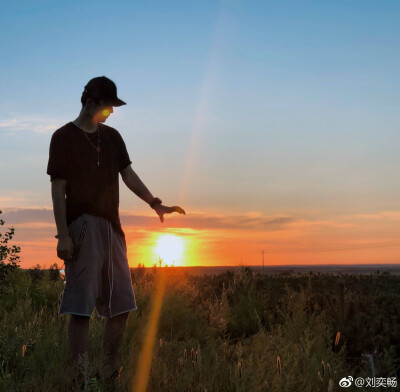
169, 248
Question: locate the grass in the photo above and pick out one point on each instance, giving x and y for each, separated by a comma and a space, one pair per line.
232, 332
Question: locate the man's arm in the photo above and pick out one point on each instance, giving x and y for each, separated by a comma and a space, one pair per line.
58, 187
65, 245
135, 184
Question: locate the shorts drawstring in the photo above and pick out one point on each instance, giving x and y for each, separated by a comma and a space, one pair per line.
110, 261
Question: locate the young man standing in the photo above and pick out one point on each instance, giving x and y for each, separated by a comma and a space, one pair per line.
85, 159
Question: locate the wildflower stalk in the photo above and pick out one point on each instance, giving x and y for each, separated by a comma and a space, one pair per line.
278, 364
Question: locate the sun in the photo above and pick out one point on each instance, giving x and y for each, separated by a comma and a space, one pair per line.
169, 248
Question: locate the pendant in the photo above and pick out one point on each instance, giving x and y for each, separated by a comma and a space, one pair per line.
98, 149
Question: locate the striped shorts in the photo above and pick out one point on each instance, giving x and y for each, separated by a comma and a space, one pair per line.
98, 273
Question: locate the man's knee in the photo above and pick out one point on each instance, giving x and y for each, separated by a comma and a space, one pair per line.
79, 318
120, 318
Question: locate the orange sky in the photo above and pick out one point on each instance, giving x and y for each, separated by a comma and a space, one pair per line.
206, 238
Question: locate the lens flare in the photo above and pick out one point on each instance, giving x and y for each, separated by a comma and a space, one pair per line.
106, 112
146, 354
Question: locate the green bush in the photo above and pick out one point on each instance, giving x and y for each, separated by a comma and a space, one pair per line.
9, 256
242, 305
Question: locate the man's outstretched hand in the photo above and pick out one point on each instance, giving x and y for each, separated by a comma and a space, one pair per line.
161, 210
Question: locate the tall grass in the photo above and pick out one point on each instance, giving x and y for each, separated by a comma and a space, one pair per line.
233, 332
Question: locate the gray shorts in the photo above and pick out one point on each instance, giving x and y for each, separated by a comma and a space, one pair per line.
98, 274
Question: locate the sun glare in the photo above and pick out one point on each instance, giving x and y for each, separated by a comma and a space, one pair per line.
169, 248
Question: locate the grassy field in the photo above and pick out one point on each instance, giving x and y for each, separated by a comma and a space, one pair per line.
235, 331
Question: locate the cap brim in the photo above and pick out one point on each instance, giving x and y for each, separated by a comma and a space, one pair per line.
118, 102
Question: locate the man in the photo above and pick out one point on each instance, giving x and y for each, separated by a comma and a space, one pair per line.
85, 159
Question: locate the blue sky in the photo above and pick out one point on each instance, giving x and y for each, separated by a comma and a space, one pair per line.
233, 106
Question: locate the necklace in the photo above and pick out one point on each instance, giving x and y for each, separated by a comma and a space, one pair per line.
98, 149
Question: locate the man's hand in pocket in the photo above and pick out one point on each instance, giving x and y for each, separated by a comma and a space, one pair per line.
65, 248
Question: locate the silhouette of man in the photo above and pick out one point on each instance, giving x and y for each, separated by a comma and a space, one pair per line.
85, 159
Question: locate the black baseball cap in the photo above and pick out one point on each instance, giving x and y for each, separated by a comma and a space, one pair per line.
105, 89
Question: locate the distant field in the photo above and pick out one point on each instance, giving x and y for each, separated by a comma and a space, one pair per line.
303, 269
298, 269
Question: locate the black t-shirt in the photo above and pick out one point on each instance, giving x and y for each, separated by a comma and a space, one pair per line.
90, 188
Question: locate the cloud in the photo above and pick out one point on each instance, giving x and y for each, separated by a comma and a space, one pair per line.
38, 125
28, 215
201, 221
4, 199
304, 223
392, 215
197, 220
208, 221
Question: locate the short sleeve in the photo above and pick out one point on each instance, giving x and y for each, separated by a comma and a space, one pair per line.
123, 156
57, 165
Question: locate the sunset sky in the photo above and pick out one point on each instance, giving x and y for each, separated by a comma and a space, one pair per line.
274, 125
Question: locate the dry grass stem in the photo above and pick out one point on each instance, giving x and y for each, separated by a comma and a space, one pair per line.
337, 339
180, 363
278, 364
240, 369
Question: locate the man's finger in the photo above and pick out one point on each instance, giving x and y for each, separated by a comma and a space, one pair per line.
179, 209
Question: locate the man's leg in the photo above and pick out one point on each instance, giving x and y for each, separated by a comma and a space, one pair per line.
78, 335
112, 337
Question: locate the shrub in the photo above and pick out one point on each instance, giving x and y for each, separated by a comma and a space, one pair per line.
54, 272
242, 305
36, 273
9, 257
